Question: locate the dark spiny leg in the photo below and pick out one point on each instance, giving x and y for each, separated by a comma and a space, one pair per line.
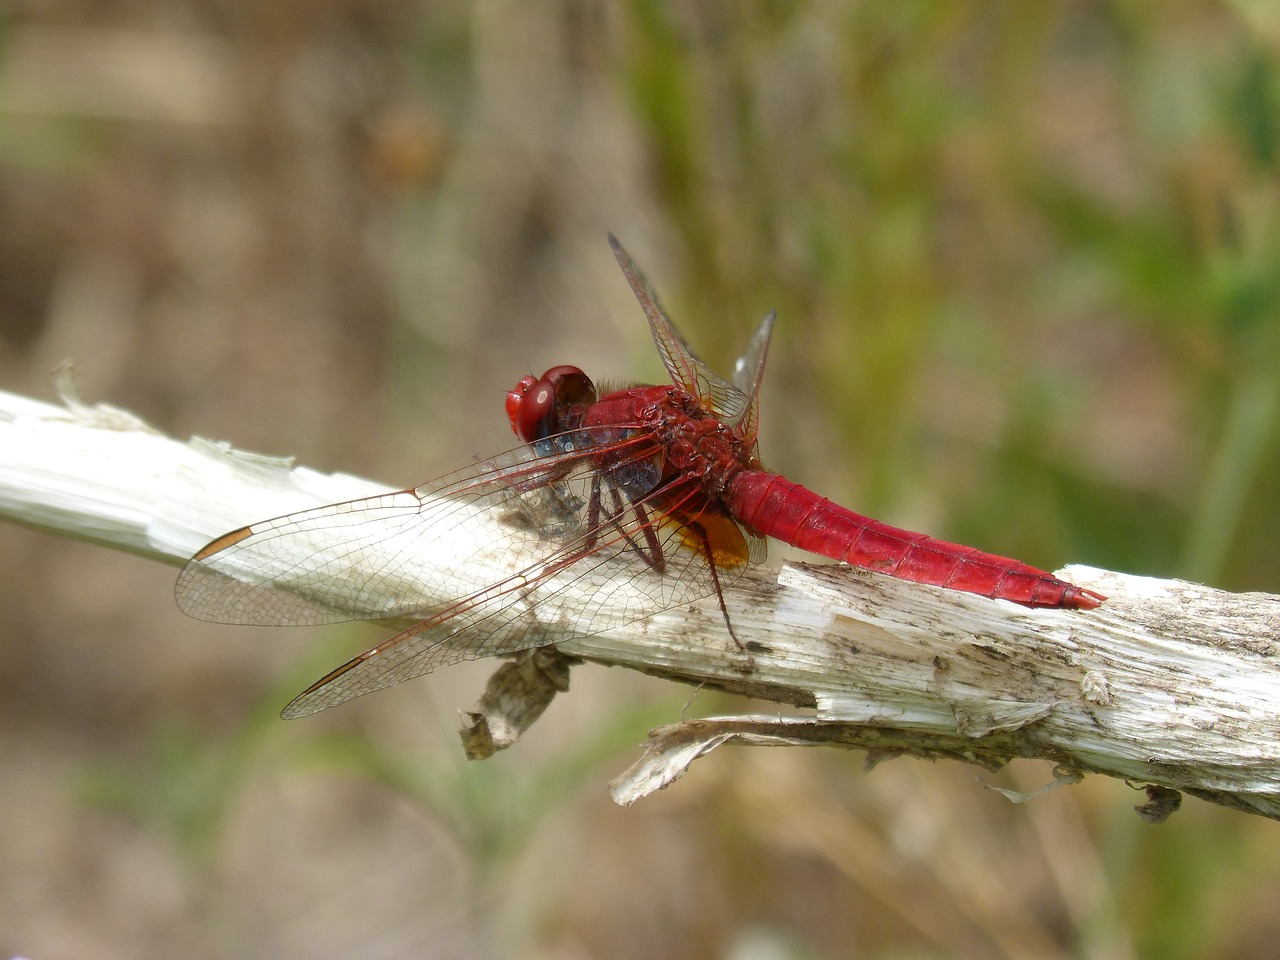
701, 531
651, 550
593, 512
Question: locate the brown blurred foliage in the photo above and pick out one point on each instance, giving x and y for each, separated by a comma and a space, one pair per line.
1024, 257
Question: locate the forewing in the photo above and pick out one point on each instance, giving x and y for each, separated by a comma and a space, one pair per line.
392, 555
307, 567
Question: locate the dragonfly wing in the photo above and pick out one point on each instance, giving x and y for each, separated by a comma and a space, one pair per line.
637, 559
686, 369
393, 555
305, 568
748, 373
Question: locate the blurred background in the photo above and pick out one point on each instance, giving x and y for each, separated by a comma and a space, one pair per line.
1025, 259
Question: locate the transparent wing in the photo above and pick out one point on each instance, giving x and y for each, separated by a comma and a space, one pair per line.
581, 589
728, 401
499, 557
748, 373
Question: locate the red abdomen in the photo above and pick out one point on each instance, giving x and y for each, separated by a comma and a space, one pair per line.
773, 506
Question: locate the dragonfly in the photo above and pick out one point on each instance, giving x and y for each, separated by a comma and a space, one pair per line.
613, 507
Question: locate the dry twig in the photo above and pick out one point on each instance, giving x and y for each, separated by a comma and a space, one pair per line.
1169, 683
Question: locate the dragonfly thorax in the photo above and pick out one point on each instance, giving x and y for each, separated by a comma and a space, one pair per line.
689, 441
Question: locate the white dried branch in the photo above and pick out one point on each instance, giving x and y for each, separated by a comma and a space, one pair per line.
1168, 683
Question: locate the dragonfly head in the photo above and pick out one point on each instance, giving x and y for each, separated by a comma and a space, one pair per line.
537, 408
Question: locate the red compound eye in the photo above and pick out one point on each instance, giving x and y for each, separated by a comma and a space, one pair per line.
537, 408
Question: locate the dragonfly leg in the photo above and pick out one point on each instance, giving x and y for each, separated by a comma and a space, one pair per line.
705, 542
650, 551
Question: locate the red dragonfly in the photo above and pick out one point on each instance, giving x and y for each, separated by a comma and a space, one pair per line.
612, 508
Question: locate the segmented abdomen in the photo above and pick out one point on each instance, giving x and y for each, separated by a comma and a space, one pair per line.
774, 506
